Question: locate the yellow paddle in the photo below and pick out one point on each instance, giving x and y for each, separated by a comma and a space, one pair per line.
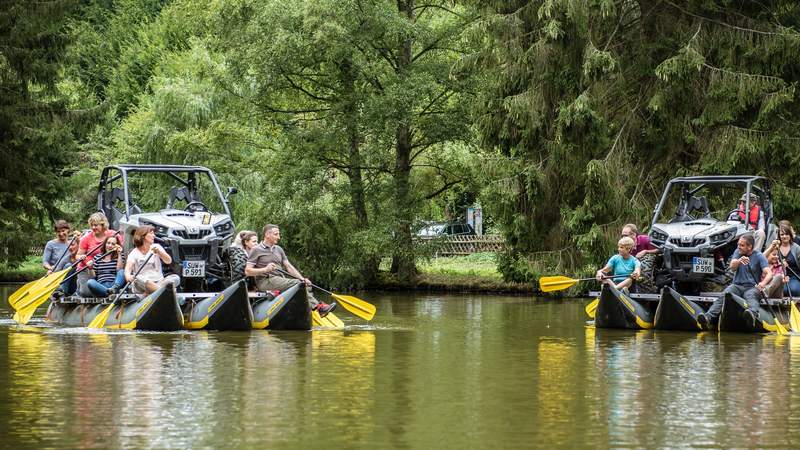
591, 308
27, 305
559, 282
25, 291
329, 321
354, 305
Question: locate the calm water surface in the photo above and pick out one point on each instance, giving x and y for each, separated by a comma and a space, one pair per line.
430, 371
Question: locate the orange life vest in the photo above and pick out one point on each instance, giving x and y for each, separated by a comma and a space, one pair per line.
755, 211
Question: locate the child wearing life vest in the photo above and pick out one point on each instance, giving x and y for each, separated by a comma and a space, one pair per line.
623, 266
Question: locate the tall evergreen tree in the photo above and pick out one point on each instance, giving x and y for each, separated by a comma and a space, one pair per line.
592, 106
37, 144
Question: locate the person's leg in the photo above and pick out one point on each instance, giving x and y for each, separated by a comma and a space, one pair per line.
716, 308
83, 284
97, 288
119, 281
792, 288
753, 297
775, 287
69, 286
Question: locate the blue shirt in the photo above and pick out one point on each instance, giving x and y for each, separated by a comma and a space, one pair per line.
622, 267
749, 275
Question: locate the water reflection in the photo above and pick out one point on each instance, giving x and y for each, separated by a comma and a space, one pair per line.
436, 372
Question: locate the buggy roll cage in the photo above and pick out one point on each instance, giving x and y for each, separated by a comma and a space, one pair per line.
104, 201
751, 185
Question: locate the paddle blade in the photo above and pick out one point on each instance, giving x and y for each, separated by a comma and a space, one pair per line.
591, 308
794, 318
100, 320
556, 285
35, 298
356, 306
31, 292
781, 329
329, 321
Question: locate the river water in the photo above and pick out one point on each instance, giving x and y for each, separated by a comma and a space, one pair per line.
430, 371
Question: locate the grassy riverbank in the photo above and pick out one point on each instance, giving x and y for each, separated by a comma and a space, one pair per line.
471, 273
30, 269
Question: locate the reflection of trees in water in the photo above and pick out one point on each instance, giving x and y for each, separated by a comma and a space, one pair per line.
699, 389
272, 381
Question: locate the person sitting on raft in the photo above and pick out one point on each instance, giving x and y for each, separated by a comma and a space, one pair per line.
89, 247
151, 277
55, 249
751, 275
268, 261
624, 266
246, 240
790, 255
109, 274
775, 287
641, 242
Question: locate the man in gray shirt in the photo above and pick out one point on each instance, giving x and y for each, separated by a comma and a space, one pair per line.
267, 260
55, 250
751, 275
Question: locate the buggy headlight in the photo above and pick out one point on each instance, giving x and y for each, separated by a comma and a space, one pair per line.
658, 235
161, 230
721, 237
224, 228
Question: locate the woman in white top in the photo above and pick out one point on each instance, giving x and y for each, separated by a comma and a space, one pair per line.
150, 278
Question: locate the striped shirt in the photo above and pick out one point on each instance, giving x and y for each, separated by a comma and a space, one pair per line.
105, 271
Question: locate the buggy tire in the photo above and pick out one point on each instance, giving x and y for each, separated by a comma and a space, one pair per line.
647, 284
237, 259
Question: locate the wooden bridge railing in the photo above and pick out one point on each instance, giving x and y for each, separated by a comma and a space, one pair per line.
465, 245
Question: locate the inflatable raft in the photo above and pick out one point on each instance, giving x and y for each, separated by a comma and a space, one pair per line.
158, 311
734, 318
227, 310
287, 311
618, 309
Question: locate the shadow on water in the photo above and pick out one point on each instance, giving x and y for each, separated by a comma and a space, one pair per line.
431, 371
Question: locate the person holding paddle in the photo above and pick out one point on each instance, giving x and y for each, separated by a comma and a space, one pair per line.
108, 272
90, 245
55, 249
789, 254
752, 274
624, 266
149, 276
268, 263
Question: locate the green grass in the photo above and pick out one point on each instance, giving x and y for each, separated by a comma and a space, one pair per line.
30, 269
470, 273
475, 265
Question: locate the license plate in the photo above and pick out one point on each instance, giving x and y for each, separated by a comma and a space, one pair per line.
194, 269
702, 265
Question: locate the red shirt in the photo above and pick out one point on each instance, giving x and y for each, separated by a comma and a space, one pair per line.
642, 243
88, 243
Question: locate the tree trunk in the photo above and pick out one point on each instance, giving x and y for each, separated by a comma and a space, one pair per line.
403, 263
369, 267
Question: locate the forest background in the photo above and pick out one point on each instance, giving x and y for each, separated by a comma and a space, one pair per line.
350, 122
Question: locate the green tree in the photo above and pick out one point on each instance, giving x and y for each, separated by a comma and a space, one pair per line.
37, 137
362, 89
590, 107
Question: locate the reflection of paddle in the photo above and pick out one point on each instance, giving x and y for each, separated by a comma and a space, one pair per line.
353, 304
27, 305
100, 320
329, 321
23, 292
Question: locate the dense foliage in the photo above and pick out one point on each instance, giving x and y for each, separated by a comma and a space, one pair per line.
350, 122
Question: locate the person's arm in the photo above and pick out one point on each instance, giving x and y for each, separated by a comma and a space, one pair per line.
294, 272
129, 269
600, 273
48, 253
637, 271
119, 259
772, 247
766, 274
159, 250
